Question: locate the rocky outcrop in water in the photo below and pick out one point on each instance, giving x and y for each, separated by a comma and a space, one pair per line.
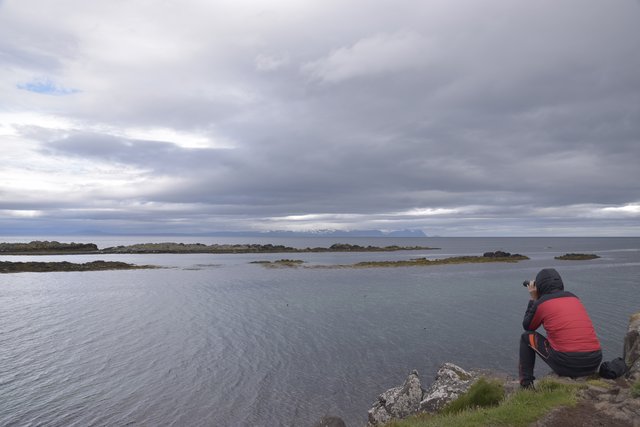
46, 267
501, 254
576, 257
46, 247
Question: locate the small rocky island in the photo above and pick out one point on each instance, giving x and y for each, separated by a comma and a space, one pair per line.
57, 248
38, 247
577, 257
45, 267
498, 256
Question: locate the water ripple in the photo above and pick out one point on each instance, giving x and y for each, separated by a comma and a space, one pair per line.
238, 345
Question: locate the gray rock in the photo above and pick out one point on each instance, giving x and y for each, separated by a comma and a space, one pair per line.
451, 381
632, 347
397, 402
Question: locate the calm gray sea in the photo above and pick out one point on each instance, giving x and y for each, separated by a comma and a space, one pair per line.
215, 341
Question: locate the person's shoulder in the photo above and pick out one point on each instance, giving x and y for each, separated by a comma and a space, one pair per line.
569, 294
555, 295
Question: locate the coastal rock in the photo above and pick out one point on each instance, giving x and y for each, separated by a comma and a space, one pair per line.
496, 254
632, 347
451, 381
398, 402
502, 254
410, 398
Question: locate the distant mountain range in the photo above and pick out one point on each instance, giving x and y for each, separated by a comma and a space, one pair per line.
343, 233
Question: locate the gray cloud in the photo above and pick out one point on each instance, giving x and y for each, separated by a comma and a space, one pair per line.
480, 116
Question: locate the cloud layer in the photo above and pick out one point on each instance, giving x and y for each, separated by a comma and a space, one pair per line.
457, 118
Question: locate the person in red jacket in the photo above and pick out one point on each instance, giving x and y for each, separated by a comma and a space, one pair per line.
571, 347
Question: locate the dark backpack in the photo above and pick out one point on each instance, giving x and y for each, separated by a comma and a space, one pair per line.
613, 369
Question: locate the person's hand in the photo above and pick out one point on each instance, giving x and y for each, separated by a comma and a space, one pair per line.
533, 291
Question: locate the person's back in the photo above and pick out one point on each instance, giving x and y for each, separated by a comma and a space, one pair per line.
557, 310
572, 347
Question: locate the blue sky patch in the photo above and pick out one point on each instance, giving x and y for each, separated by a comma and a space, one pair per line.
46, 86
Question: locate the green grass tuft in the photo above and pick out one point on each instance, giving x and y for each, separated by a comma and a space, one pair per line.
482, 394
635, 389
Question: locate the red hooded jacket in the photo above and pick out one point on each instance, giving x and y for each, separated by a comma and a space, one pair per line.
564, 318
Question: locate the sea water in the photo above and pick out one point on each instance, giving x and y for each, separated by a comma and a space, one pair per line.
213, 340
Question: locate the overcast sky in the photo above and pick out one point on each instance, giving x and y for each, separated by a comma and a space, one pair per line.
459, 118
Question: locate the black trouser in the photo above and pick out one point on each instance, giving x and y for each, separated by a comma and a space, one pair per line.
577, 364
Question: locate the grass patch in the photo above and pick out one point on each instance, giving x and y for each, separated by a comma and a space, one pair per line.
635, 390
520, 409
481, 394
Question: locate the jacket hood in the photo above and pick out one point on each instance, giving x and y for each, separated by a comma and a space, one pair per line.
548, 280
